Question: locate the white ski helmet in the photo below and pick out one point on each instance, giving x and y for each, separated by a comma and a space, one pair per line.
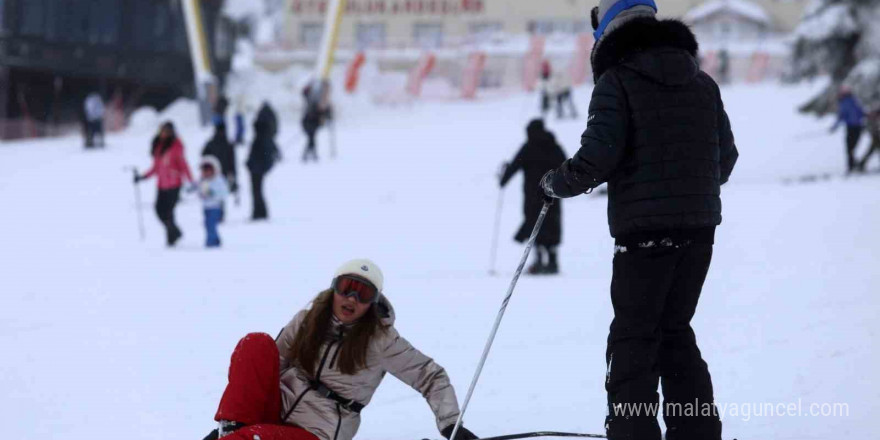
363, 268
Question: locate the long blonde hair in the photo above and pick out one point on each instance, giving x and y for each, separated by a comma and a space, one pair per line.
315, 332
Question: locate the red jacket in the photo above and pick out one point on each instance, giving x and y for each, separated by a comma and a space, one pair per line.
170, 167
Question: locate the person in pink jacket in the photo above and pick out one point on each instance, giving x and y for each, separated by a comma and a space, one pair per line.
170, 169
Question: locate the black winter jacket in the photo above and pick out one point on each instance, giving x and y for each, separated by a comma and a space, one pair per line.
541, 153
224, 151
657, 132
264, 152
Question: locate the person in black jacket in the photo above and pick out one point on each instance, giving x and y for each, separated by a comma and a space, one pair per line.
539, 154
658, 134
317, 112
220, 147
264, 153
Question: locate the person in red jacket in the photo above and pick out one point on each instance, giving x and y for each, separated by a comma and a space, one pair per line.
170, 169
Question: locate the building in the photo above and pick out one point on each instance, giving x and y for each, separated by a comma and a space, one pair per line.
134, 52
433, 24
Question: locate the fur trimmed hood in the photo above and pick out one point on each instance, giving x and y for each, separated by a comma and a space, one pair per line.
631, 43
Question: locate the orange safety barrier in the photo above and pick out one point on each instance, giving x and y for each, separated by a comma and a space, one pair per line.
581, 63
352, 73
418, 74
533, 60
473, 72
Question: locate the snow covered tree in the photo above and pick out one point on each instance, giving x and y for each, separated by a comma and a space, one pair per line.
839, 38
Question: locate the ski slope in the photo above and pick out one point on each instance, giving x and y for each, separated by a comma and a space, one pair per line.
105, 336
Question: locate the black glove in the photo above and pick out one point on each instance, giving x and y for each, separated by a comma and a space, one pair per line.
546, 187
502, 169
137, 178
462, 434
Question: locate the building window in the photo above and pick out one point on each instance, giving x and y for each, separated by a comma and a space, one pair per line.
104, 17
370, 35
428, 35
483, 31
31, 16
53, 21
310, 35
547, 27
142, 26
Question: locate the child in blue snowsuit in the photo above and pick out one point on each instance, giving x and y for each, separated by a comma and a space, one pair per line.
213, 190
851, 114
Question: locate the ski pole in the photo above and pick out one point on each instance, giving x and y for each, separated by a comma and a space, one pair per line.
495, 233
332, 132
519, 269
137, 202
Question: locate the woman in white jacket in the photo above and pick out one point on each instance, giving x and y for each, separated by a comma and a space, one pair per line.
329, 360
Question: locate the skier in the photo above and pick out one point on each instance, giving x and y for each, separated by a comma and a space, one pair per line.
219, 116
94, 110
561, 88
539, 154
873, 125
333, 356
263, 155
318, 109
213, 190
220, 148
658, 134
239, 121
851, 114
546, 73
170, 167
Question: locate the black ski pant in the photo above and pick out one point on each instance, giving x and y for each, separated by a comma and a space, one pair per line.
853, 134
563, 99
875, 148
654, 292
165, 202
260, 210
311, 151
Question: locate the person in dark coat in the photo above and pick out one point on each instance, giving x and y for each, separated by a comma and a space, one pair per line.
540, 154
220, 107
658, 134
220, 147
318, 110
263, 155
873, 126
850, 113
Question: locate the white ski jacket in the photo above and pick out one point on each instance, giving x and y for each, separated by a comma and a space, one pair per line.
388, 353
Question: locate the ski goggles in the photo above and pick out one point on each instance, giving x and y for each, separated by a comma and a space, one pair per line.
351, 286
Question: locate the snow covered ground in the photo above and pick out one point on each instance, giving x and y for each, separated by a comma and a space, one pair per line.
104, 336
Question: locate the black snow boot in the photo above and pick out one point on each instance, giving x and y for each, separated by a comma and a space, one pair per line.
173, 233
552, 266
226, 427
537, 267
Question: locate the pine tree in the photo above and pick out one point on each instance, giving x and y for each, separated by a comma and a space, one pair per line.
839, 38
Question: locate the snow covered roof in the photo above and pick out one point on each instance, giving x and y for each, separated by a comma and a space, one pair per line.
744, 8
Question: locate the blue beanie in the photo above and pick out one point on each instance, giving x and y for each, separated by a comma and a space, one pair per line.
613, 13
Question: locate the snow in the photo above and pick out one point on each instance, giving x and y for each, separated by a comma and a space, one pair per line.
241, 9
739, 7
105, 336
835, 19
